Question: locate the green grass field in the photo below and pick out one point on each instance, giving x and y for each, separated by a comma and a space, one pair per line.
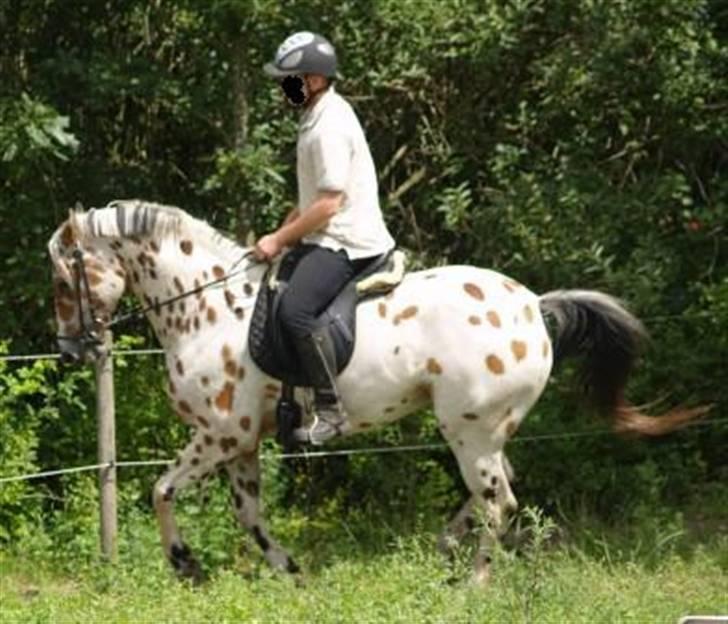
368, 570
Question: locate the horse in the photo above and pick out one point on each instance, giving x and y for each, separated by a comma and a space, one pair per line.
472, 343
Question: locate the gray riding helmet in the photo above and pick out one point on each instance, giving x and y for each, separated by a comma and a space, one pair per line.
303, 53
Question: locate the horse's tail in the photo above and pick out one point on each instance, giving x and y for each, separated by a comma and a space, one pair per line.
599, 328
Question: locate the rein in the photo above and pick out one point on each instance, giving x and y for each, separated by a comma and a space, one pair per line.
90, 337
140, 311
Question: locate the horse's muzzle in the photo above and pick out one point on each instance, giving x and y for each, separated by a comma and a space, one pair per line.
67, 358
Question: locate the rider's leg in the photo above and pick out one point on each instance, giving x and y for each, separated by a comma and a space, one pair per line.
317, 278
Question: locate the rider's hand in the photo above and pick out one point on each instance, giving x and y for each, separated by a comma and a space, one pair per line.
268, 247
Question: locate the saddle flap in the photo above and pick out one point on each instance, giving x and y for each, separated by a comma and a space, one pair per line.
270, 346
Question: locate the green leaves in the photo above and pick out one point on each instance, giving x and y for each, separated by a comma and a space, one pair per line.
31, 131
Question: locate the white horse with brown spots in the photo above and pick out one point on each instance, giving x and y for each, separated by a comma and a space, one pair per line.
469, 341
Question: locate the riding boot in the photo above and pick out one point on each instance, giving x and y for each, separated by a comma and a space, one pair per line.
318, 357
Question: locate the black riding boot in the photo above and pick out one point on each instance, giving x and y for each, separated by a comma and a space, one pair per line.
318, 357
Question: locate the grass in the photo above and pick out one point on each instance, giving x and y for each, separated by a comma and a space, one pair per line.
363, 569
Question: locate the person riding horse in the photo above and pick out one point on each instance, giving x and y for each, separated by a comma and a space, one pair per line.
337, 227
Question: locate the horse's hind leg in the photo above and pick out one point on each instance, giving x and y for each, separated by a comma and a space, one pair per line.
457, 528
199, 458
244, 473
465, 520
476, 434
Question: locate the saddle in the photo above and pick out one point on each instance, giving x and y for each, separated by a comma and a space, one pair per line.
270, 346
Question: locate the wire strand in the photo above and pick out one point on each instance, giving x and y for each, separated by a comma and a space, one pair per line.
334, 453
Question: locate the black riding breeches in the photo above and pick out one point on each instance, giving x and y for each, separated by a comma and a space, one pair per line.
315, 275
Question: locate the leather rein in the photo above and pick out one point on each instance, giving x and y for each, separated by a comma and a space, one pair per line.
90, 332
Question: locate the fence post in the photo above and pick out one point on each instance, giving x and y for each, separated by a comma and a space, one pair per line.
107, 448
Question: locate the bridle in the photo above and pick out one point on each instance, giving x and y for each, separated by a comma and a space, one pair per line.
90, 335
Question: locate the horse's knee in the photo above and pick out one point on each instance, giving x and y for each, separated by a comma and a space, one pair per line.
162, 494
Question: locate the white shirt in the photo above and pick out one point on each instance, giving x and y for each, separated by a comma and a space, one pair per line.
333, 155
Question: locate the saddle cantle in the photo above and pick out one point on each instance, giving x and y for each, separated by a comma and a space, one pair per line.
271, 348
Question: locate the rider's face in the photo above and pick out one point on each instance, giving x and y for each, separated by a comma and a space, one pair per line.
296, 89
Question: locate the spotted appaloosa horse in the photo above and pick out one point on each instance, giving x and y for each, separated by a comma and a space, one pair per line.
469, 341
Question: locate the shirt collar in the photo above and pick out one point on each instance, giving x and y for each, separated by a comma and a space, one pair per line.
311, 115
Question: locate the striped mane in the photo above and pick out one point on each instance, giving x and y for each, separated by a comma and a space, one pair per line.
137, 218
134, 219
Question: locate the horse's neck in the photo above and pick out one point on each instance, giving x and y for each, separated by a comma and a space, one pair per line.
159, 270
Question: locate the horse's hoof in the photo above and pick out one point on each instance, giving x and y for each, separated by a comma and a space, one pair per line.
191, 571
481, 577
186, 566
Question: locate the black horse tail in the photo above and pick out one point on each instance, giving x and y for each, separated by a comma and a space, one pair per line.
609, 339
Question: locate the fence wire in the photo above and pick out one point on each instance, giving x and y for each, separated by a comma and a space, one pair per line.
334, 453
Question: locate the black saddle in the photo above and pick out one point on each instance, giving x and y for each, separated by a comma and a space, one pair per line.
270, 346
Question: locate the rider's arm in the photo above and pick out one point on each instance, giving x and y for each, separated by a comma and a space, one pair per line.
292, 216
316, 216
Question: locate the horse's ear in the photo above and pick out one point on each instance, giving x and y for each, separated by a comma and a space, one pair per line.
73, 214
71, 232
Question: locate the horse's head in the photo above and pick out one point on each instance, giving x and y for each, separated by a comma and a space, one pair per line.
88, 281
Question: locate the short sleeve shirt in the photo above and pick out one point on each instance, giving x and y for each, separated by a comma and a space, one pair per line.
333, 155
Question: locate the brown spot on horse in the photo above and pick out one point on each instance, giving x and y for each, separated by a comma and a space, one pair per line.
224, 400
382, 307
186, 247
519, 349
474, 291
433, 366
511, 428
474, 320
229, 298
495, 364
94, 279
65, 310
405, 314
493, 318
231, 368
227, 443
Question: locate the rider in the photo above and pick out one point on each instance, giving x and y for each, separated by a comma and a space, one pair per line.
337, 227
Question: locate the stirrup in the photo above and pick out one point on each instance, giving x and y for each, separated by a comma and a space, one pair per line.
322, 429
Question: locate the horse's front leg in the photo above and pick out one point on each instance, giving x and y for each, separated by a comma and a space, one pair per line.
244, 473
199, 458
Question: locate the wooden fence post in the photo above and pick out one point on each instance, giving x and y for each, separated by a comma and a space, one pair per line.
107, 448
